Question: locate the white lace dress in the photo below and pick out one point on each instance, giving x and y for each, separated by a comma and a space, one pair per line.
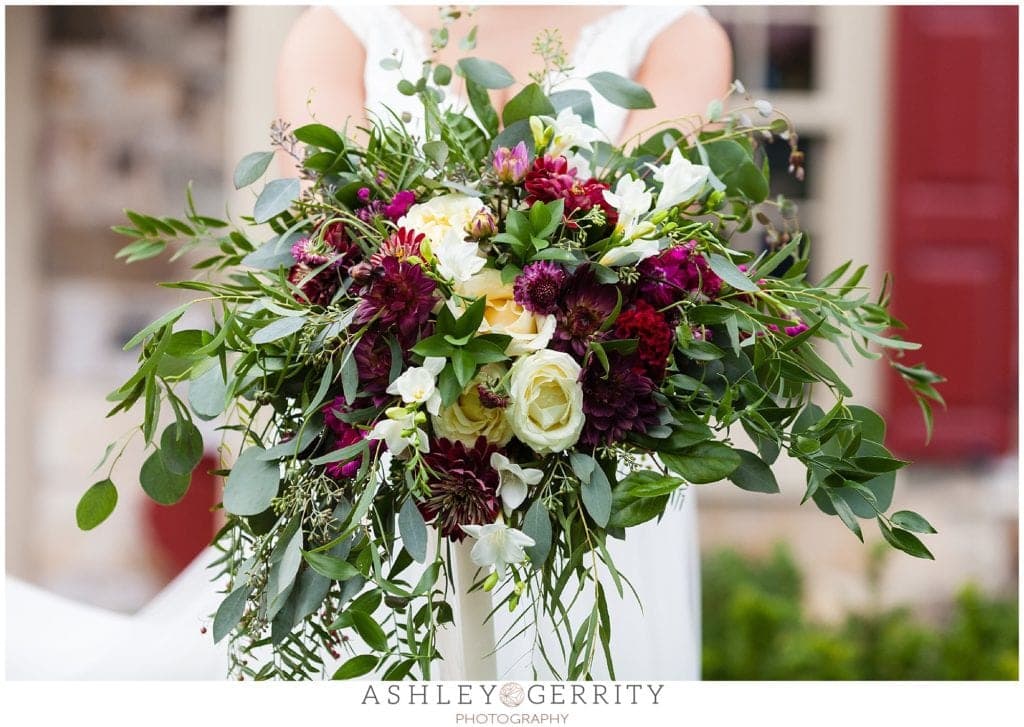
661, 640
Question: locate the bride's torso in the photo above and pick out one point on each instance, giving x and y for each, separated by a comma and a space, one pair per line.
594, 38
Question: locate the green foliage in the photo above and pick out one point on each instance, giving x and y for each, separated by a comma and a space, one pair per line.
755, 629
96, 505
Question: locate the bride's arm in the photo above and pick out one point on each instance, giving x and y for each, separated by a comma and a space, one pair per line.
687, 65
320, 72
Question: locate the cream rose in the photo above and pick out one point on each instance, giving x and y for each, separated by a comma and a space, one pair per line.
443, 220
467, 418
530, 332
546, 401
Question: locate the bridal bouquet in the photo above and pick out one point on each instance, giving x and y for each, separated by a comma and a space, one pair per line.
502, 329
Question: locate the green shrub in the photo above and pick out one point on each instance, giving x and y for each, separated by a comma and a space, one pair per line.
755, 629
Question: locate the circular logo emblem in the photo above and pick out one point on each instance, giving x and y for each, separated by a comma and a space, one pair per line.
511, 694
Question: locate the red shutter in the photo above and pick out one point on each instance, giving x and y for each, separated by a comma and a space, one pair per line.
953, 223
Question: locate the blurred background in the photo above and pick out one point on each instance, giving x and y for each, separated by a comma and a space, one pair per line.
908, 117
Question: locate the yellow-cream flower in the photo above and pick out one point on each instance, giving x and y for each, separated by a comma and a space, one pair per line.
530, 332
467, 418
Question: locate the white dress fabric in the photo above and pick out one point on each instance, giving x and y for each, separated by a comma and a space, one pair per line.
49, 637
662, 639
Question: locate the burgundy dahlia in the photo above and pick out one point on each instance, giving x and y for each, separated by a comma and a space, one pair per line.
463, 486
316, 289
539, 287
586, 305
616, 404
400, 295
373, 362
675, 273
653, 334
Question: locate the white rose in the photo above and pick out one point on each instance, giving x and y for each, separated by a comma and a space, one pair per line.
530, 332
443, 220
546, 401
467, 418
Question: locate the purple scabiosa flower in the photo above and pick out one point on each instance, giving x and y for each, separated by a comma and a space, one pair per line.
511, 165
400, 295
616, 404
539, 287
463, 486
586, 304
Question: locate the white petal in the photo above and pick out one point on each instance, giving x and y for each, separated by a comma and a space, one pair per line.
434, 364
520, 538
513, 491
434, 403
473, 530
486, 552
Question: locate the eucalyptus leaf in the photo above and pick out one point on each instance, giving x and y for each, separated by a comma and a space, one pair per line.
252, 168
487, 74
252, 484
413, 530
278, 329
621, 91
275, 198
327, 565
731, 274
96, 504
597, 497
230, 612
537, 524
162, 486
207, 395
181, 447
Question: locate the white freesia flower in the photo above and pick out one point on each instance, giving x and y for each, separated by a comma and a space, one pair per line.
631, 199
513, 481
418, 384
529, 331
443, 220
681, 180
457, 260
497, 545
632, 253
569, 130
580, 164
546, 401
400, 430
